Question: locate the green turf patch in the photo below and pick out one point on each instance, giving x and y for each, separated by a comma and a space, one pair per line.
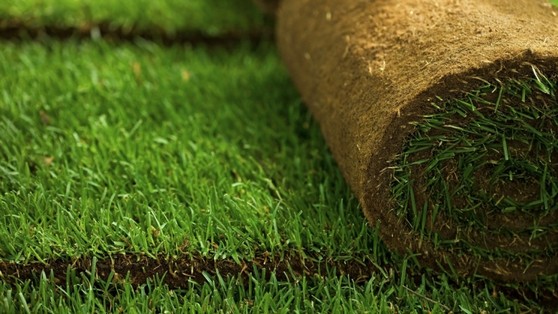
211, 17
259, 292
107, 149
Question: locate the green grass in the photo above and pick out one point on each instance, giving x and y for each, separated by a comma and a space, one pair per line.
109, 149
260, 293
212, 17
478, 176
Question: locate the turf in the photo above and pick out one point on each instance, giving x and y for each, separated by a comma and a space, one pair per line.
143, 149
261, 292
110, 149
209, 17
504, 139
139, 149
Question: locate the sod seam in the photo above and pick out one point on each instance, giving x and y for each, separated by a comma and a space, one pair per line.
177, 271
16, 30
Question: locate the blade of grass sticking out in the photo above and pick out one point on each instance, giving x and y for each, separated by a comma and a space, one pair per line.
24, 302
468, 105
499, 99
414, 209
505, 148
524, 94
423, 219
543, 185
541, 80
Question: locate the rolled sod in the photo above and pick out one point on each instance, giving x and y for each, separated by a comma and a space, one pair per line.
443, 118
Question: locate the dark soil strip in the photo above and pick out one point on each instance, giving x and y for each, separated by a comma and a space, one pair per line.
18, 30
177, 272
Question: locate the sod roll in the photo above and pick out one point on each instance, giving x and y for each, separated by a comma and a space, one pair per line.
443, 118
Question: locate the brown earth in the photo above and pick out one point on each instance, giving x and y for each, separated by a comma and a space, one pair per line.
267, 6
366, 69
177, 272
15, 29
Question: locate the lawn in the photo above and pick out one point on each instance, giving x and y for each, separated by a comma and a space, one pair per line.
183, 152
209, 17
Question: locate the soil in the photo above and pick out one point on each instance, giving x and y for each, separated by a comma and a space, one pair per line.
267, 6
178, 271
366, 69
13, 29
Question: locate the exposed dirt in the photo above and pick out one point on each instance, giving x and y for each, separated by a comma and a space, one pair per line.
13, 29
366, 69
268, 6
178, 271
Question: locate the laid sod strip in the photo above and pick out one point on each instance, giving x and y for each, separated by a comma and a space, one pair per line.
467, 186
105, 280
260, 292
24, 32
139, 149
171, 17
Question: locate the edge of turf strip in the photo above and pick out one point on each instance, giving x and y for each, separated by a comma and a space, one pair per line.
19, 31
177, 271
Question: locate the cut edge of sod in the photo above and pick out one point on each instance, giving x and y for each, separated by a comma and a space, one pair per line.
477, 180
181, 273
17, 30
177, 271
172, 17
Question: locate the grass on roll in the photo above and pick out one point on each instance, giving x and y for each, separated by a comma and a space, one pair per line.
491, 153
